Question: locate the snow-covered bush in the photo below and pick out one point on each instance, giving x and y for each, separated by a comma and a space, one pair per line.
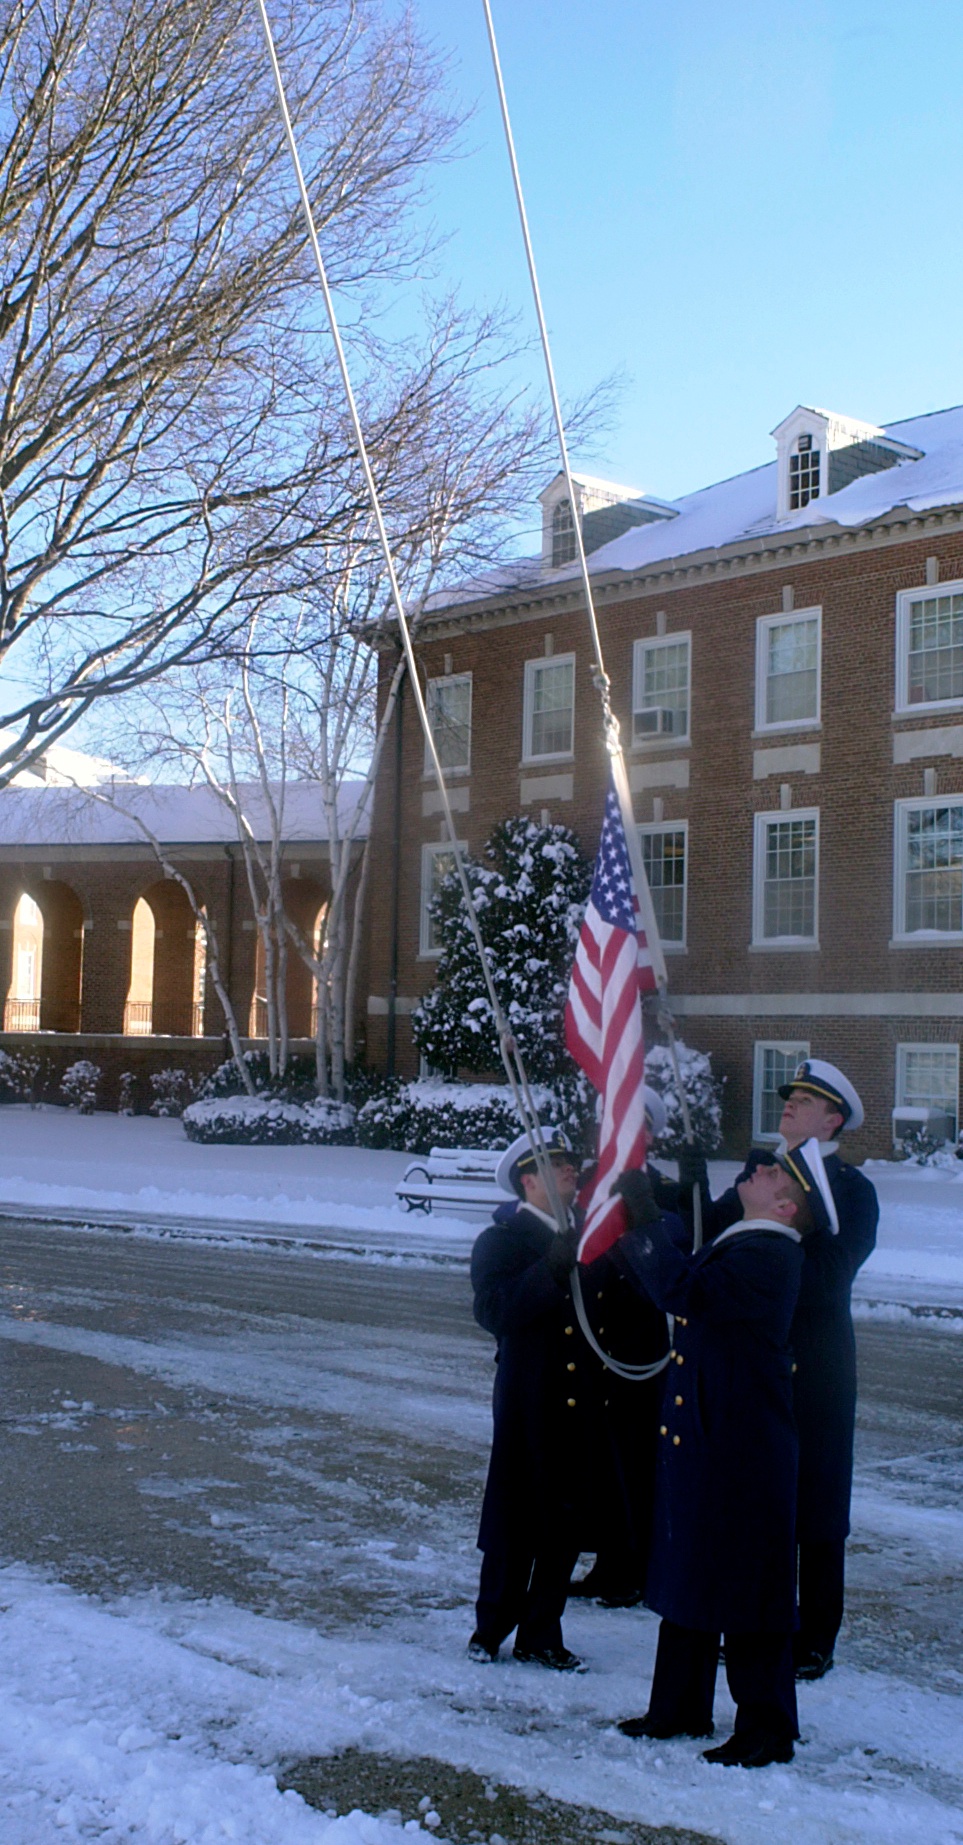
922, 1148
297, 1084
172, 1091
79, 1085
414, 1117
126, 1092
530, 893
268, 1121
703, 1093
18, 1076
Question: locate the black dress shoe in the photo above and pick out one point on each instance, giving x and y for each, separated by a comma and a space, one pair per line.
751, 1750
813, 1664
658, 1732
480, 1651
556, 1658
611, 1591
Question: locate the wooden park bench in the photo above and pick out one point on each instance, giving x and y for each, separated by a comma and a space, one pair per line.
459, 1177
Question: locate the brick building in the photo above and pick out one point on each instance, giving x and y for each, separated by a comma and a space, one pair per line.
101, 953
786, 655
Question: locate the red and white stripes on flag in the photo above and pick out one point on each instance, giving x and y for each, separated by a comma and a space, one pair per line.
603, 1026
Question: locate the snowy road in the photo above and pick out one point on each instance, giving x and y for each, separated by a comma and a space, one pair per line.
276, 1462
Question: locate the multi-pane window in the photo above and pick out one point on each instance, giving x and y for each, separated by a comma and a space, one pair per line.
449, 714
787, 669
660, 688
785, 877
549, 707
930, 646
664, 858
436, 862
803, 474
929, 868
928, 1076
773, 1064
563, 535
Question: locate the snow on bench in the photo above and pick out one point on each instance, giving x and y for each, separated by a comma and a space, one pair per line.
453, 1176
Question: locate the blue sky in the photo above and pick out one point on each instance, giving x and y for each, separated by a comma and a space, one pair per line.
741, 207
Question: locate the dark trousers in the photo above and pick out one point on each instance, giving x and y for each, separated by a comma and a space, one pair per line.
525, 1588
759, 1668
822, 1570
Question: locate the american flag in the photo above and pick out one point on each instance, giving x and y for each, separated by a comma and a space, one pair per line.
603, 1025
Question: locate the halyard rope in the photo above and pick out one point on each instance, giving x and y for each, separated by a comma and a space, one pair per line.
511, 1055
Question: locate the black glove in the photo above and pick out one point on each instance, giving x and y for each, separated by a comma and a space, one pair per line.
693, 1171
636, 1189
562, 1253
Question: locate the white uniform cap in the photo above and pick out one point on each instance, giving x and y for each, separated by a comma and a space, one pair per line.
806, 1165
655, 1111
520, 1157
820, 1078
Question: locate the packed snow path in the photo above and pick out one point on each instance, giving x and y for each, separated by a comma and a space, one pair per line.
257, 1479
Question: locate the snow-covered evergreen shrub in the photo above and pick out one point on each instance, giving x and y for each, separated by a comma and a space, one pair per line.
126, 1092
79, 1085
268, 1121
922, 1148
296, 1085
172, 1091
18, 1076
414, 1117
703, 1093
530, 893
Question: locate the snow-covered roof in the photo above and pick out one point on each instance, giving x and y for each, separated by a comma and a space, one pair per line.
175, 815
596, 484
743, 508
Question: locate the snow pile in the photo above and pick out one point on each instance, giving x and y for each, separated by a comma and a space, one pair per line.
261, 1121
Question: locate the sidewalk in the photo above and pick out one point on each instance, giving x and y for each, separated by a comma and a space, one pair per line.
134, 1172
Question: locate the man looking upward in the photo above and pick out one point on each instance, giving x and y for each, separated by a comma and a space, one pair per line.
820, 1103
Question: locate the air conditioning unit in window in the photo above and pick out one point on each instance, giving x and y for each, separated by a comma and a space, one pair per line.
933, 1122
656, 722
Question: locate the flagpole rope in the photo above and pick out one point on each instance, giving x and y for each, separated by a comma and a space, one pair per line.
600, 678
510, 1052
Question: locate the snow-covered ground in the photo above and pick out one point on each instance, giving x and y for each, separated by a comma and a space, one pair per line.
147, 1172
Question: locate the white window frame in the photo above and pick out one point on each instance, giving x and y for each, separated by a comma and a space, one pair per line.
901, 1099
920, 938
928, 592
458, 768
650, 644
528, 713
780, 943
764, 626
429, 852
646, 830
789, 1047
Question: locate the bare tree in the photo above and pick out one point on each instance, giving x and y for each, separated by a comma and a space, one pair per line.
172, 440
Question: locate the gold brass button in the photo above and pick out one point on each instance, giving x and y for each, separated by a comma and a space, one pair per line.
570, 1367
679, 1359
672, 1351
569, 1329
681, 1322
571, 1402
795, 1369
601, 1331
663, 1430
676, 1439
678, 1402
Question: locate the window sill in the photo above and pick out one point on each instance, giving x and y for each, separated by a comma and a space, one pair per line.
675, 948
786, 945
428, 775
647, 745
796, 729
540, 762
928, 940
909, 713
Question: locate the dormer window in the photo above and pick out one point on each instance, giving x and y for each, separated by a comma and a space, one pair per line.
803, 473
563, 535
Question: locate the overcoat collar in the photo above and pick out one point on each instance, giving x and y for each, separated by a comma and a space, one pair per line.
756, 1223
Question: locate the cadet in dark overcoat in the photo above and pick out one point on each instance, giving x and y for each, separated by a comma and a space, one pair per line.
723, 1554
820, 1102
555, 1480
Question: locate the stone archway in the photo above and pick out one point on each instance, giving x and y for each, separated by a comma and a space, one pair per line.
166, 992
46, 974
